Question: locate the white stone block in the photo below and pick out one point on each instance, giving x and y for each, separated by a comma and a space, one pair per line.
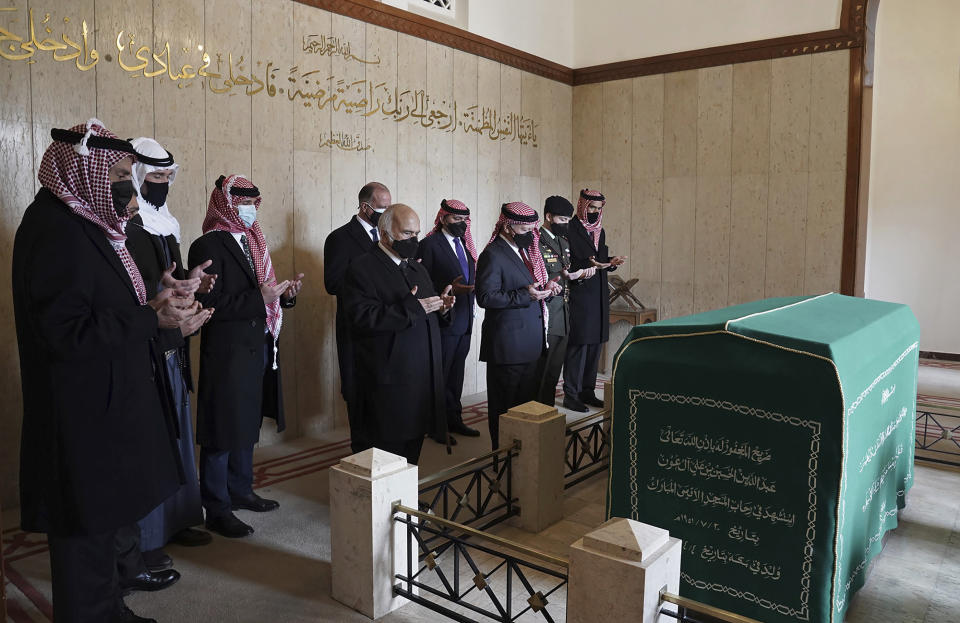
620, 569
366, 544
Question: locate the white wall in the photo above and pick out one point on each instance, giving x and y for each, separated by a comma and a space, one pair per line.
913, 221
616, 30
544, 28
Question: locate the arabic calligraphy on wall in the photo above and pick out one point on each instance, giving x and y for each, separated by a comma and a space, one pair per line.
231, 76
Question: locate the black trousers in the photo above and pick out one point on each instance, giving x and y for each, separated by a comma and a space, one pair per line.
508, 385
129, 556
550, 364
454, 349
580, 369
409, 449
83, 570
224, 474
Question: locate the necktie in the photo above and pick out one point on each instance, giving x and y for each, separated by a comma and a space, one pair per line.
526, 260
373, 233
463, 260
246, 251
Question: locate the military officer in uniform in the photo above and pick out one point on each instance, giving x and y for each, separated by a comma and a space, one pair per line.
555, 249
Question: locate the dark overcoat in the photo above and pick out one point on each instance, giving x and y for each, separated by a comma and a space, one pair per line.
590, 298
397, 359
235, 390
95, 447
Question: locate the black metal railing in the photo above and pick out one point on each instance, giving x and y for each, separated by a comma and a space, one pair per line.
477, 493
587, 448
938, 435
690, 611
466, 579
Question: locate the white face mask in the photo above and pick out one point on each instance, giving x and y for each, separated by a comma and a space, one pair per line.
248, 214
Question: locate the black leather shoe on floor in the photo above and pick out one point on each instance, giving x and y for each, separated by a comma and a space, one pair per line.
440, 440
591, 401
191, 537
157, 560
229, 526
127, 615
255, 503
150, 581
463, 429
574, 404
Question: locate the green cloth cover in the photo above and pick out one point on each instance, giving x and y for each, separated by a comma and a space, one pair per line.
776, 440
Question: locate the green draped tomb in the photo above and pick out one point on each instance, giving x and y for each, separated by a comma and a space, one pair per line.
776, 440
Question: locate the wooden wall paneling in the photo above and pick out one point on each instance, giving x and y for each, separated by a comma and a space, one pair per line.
825, 190
382, 132
750, 180
532, 98
712, 244
465, 166
411, 135
679, 192
348, 167
510, 102
789, 148
319, 403
125, 104
587, 152
646, 244
272, 172
439, 142
617, 175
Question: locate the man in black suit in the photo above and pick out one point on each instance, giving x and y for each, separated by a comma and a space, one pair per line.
556, 256
393, 311
239, 380
589, 302
450, 256
96, 453
512, 285
341, 247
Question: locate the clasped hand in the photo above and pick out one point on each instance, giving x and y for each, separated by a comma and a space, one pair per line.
441, 303
177, 309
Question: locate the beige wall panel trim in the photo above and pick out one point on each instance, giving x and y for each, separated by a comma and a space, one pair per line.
647, 188
405, 22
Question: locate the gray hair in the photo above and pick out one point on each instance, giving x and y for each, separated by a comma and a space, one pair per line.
385, 224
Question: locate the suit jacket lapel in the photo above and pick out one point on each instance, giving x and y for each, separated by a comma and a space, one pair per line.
103, 245
233, 247
515, 260
359, 233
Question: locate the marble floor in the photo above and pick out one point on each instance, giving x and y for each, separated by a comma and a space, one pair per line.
282, 572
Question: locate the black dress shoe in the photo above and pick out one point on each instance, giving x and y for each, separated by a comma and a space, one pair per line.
574, 404
463, 429
157, 560
126, 615
440, 440
149, 581
255, 503
591, 401
191, 537
229, 526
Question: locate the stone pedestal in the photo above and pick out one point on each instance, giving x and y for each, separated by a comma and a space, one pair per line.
619, 570
538, 471
365, 544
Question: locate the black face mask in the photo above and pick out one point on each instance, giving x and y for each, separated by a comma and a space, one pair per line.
156, 192
560, 229
122, 193
457, 230
374, 217
523, 240
406, 249
593, 216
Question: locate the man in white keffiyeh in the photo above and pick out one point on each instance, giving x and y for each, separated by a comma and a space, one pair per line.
95, 448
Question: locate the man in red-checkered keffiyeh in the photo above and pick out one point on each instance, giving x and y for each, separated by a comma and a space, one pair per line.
512, 285
96, 450
239, 381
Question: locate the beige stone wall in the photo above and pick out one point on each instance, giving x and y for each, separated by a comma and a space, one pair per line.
723, 185
308, 190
